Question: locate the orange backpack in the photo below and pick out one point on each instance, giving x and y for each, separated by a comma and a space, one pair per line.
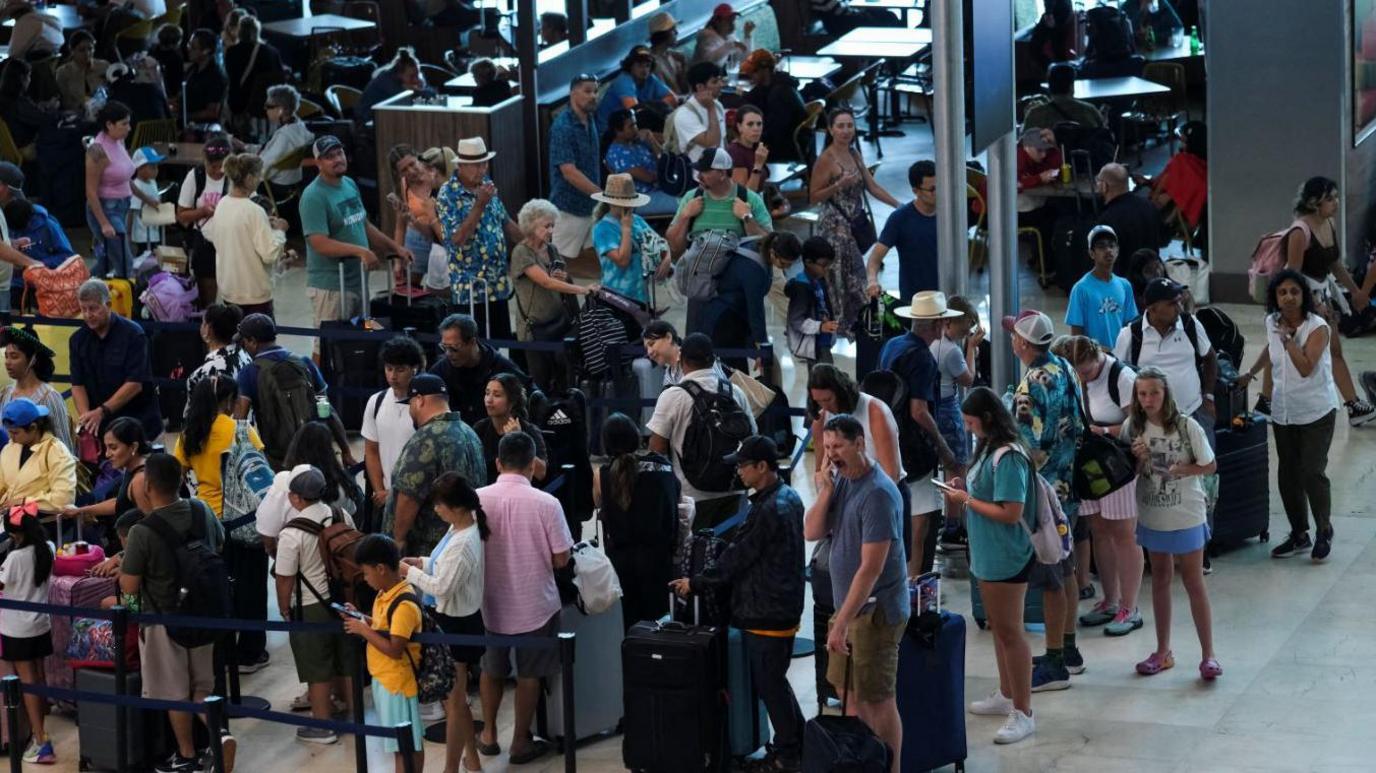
55, 288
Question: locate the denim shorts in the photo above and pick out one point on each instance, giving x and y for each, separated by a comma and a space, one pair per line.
952, 428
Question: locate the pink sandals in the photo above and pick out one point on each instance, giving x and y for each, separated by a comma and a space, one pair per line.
1155, 664
1210, 670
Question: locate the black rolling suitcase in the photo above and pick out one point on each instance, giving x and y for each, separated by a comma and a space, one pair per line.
174, 354
96, 725
1244, 491
673, 675
411, 311
833, 744
351, 365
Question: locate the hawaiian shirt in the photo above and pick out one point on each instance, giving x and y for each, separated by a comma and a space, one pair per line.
483, 258
1045, 406
445, 443
574, 142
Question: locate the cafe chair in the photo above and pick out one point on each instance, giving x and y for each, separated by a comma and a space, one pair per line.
292, 160
805, 133
151, 131
1158, 116
435, 76
9, 151
133, 38
309, 109
341, 100
173, 17
976, 186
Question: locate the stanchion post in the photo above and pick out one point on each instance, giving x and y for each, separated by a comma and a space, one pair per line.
215, 718
120, 625
356, 687
566, 651
13, 699
406, 745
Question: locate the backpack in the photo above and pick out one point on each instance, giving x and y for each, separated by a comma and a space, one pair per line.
435, 671
1186, 321
1051, 538
915, 448
286, 401
1223, 333
702, 263
201, 576
716, 428
170, 298
595, 578
336, 543
1115, 369
1109, 34
245, 477
1269, 258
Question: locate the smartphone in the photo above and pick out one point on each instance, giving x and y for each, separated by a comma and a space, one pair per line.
354, 613
395, 201
944, 487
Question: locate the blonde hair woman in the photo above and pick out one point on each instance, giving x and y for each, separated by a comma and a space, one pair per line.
246, 240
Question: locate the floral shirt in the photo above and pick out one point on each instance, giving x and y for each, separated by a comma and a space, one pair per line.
1045, 406
483, 258
445, 443
622, 157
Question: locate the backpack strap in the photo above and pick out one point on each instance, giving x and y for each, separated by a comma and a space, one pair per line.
1115, 369
377, 407
1135, 331
314, 528
391, 609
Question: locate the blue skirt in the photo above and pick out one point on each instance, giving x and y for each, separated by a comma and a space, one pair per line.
1176, 543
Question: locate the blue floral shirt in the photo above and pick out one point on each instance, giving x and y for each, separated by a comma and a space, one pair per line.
1045, 406
623, 157
577, 143
483, 258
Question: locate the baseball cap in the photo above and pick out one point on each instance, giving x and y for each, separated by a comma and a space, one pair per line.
21, 412
698, 348
1033, 326
1033, 138
146, 155
11, 175
760, 57
756, 448
724, 10
1101, 232
1162, 289
218, 148
308, 483
427, 384
638, 54
259, 327
713, 158
325, 145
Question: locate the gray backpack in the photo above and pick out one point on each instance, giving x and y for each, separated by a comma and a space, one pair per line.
697, 271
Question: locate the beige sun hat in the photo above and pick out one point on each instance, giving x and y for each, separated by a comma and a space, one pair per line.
928, 304
620, 192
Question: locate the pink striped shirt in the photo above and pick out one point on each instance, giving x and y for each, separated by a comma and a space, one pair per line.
528, 529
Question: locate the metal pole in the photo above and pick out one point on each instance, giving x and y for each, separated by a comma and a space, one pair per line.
578, 21
120, 625
527, 53
1003, 257
13, 697
566, 652
356, 688
215, 718
948, 55
406, 746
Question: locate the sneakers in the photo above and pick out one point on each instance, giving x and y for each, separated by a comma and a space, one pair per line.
1263, 406
254, 666
302, 702
1323, 543
316, 735
432, 712
1048, 676
1101, 614
1087, 592
1074, 661
1293, 545
996, 705
772, 762
1124, 623
40, 754
1017, 727
1155, 664
179, 764
1360, 412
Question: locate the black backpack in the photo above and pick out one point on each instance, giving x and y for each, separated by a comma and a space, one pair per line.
286, 401
1109, 33
716, 428
201, 576
1115, 369
1223, 332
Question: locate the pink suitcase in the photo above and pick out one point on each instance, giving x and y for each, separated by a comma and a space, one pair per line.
74, 592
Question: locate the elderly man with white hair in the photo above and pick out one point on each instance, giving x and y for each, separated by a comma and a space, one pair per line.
111, 376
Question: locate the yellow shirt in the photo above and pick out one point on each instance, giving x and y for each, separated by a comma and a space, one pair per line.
208, 464
395, 674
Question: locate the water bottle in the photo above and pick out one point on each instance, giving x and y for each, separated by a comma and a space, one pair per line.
1195, 45
322, 407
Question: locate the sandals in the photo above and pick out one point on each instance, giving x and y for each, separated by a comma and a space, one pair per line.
1156, 663
535, 751
1209, 669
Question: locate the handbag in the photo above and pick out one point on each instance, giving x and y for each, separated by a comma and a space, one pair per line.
1103, 463
55, 288
555, 328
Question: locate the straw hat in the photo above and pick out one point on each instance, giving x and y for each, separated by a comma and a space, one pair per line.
620, 192
928, 304
473, 150
662, 22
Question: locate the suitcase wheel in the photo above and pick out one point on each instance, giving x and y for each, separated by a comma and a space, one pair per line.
981, 623
1265, 536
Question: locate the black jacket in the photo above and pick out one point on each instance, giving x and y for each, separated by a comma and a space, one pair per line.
763, 566
466, 385
1137, 225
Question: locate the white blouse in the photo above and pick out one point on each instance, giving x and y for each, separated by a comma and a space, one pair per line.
1297, 399
454, 576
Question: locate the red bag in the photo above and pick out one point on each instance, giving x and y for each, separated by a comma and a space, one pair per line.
55, 288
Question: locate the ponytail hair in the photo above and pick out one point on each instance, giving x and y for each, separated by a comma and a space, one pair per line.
621, 441
31, 530
452, 490
203, 409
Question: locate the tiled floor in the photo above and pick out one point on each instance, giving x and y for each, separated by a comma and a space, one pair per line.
1297, 642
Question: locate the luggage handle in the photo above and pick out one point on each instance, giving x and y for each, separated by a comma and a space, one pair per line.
673, 601
363, 287
392, 279
473, 304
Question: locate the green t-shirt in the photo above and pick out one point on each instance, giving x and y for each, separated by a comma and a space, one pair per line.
335, 211
1000, 550
717, 216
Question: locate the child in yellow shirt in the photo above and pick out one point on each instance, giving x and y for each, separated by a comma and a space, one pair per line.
396, 619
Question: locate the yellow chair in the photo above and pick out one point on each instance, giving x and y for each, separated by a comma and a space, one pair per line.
173, 17
158, 130
975, 181
805, 133
342, 99
8, 150
292, 160
309, 109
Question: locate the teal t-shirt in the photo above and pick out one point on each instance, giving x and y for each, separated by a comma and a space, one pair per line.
717, 216
335, 211
606, 236
1000, 550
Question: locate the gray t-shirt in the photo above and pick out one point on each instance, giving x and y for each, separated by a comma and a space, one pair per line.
868, 510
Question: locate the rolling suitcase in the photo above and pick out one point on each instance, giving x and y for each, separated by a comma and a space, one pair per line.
672, 677
931, 695
1243, 510
1031, 611
747, 722
832, 744
351, 365
174, 354
85, 592
412, 311
96, 724
596, 676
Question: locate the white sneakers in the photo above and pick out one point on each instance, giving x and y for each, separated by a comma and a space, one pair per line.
996, 705
1017, 727
432, 712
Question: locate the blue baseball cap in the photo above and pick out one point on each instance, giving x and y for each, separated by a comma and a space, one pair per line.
147, 155
21, 412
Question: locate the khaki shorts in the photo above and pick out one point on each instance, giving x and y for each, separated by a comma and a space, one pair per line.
172, 672
531, 662
321, 657
325, 307
874, 649
572, 234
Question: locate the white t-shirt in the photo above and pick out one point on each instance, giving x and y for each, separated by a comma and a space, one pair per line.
862, 411
17, 576
690, 120
390, 427
299, 551
1165, 503
1299, 399
950, 362
674, 410
275, 509
1173, 354
1105, 412
215, 189
141, 232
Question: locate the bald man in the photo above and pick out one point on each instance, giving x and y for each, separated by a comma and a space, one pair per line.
1130, 216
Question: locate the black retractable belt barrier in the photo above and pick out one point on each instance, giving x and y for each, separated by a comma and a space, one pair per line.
12, 709
406, 745
120, 625
216, 719
567, 648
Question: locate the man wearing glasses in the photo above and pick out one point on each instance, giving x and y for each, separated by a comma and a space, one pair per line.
911, 229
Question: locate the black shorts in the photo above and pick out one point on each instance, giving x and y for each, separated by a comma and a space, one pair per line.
16, 649
472, 625
1022, 576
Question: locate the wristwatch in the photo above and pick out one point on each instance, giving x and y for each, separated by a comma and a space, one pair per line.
747, 217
